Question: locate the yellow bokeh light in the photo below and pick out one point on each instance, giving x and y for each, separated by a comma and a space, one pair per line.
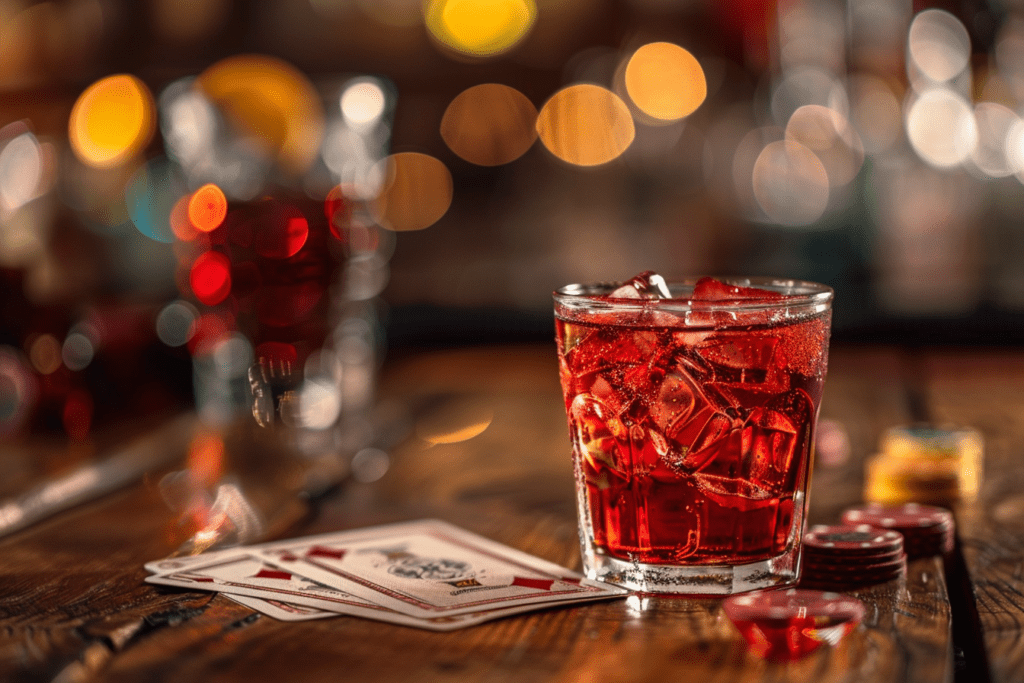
585, 125
665, 81
112, 121
490, 124
480, 27
417, 192
272, 101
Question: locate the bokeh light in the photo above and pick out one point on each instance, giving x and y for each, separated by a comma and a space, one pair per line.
78, 351
271, 101
45, 354
790, 184
180, 223
417, 192
362, 103
210, 277
665, 81
480, 27
150, 197
19, 391
875, 113
177, 323
938, 45
585, 125
829, 135
319, 403
490, 124
207, 208
281, 230
941, 127
21, 171
807, 85
111, 121
991, 154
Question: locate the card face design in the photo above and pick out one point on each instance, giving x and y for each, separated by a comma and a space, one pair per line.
432, 568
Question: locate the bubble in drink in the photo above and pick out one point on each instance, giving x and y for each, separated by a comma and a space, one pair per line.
692, 435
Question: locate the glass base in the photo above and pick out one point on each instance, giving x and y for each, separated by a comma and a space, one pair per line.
776, 572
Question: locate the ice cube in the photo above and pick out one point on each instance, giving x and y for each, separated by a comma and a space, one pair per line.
769, 442
710, 289
595, 429
646, 285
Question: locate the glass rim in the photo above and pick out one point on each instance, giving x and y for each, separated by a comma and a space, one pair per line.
797, 294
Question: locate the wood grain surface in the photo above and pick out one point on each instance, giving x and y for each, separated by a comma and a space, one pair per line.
73, 605
984, 391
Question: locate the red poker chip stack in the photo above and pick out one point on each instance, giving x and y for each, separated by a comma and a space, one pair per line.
927, 530
848, 556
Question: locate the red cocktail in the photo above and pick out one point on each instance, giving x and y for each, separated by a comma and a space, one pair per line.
691, 413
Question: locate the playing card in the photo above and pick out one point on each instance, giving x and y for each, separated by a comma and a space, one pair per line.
430, 568
281, 594
283, 611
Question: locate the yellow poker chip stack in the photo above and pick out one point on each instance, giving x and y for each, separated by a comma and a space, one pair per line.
925, 464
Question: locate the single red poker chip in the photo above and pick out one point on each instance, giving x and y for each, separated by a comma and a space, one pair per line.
788, 624
912, 517
835, 559
927, 530
851, 540
858, 568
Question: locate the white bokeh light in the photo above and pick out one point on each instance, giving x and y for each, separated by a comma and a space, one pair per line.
790, 184
938, 45
362, 103
990, 155
829, 135
176, 323
942, 128
21, 171
319, 403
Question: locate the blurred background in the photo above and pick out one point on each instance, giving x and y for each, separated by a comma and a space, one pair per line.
189, 185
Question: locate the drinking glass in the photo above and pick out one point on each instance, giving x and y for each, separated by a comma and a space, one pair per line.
691, 415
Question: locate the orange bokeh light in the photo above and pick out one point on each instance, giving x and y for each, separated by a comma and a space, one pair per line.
207, 208
585, 125
205, 463
417, 193
113, 120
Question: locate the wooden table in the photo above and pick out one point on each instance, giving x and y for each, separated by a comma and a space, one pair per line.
73, 605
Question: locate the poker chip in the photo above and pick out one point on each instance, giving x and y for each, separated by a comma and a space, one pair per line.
789, 624
839, 557
927, 530
851, 539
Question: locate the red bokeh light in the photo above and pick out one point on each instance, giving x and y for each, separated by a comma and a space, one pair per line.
281, 231
210, 278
